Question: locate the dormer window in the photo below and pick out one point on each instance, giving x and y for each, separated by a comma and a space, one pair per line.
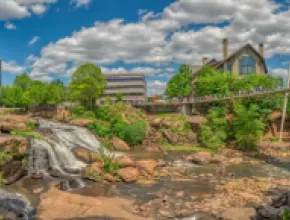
247, 65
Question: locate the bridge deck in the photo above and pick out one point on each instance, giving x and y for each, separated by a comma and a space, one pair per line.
209, 99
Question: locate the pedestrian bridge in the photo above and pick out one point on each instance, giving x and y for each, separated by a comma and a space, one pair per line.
185, 105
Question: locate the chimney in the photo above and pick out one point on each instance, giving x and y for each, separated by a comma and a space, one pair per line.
204, 60
261, 49
225, 47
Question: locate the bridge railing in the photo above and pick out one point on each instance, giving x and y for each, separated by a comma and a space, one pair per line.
241, 93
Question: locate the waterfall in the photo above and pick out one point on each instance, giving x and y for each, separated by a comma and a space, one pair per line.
53, 156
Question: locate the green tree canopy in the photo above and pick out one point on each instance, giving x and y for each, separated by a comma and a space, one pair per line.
23, 81
87, 84
180, 85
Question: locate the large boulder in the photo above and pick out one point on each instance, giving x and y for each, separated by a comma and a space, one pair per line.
169, 136
238, 213
81, 122
14, 122
146, 166
120, 145
201, 157
156, 122
128, 174
124, 161
14, 145
86, 155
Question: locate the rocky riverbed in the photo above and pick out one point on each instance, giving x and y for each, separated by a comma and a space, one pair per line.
63, 172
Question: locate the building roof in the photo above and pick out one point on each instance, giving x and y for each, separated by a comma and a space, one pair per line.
237, 52
217, 64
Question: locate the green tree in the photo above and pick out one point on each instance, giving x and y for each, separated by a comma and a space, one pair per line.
23, 81
119, 97
180, 85
36, 94
87, 84
11, 96
248, 125
214, 132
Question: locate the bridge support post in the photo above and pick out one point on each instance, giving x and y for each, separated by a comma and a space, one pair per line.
186, 109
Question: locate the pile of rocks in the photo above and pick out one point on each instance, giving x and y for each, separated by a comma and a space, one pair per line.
274, 210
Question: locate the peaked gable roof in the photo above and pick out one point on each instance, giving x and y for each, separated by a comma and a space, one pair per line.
237, 52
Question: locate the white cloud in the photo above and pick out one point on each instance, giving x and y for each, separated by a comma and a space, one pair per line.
8, 25
170, 70
80, 3
141, 70
12, 67
155, 87
19, 9
159, 38
38, 9
33, 40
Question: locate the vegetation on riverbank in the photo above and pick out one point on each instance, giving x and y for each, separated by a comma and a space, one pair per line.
187, 148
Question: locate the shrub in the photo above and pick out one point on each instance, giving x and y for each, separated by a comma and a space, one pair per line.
274, 139
135, 133
78, 110
30, 126
100, 128
285, 214
248, 126
101, 112
213, 133
88, 114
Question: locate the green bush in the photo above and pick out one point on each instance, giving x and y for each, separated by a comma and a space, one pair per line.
274, 139
135, 132
101, 129
248, 126
214, 133
285, 214
78, 110
88, 114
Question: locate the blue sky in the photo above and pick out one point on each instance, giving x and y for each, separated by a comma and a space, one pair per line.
49, 38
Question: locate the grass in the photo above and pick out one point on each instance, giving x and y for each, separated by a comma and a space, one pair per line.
188, 149
27, 134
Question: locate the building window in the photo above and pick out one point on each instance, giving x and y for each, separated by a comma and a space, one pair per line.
228, 67
247, 65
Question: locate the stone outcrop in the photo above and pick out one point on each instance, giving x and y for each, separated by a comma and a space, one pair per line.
14, 145
56, 204
120, 145
170, 137
147, 167
81, 122
124, 161
274, 210
201, 157
128, 174
85, 155
238, 214
14, 122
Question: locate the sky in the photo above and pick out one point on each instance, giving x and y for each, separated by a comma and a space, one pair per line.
49, 39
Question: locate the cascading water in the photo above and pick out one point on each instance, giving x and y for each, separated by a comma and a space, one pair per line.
53, 156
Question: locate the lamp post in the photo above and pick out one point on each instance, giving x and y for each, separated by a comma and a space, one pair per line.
285, 105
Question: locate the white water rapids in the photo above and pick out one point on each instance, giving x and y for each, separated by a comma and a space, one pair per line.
54, 156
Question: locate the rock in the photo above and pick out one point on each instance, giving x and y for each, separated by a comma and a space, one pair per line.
86, 155
235, 160
38, 190
81, 122
56, 204
108, 177
37, 175
97, 165
124, 161
156, 122
191, 137
92, 173
14, 145
167, 123
238, 213
146, 166
13, 171
169, 136
201, 157
120, 145
14, 122
128, 174
218, 159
